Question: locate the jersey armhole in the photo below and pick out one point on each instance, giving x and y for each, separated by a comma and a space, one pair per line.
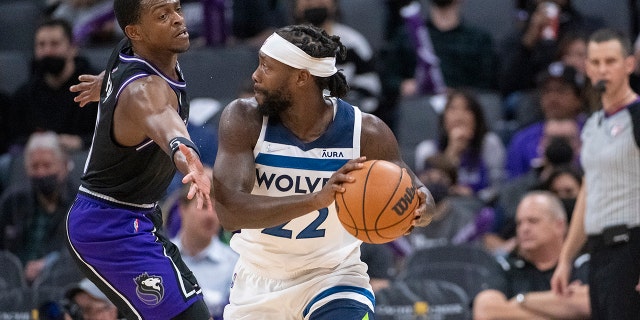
635, 122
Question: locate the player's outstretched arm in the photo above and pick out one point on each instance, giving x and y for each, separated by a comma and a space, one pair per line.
88, 88
147, 109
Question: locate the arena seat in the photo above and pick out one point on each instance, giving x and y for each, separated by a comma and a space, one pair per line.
417, 121
15, 295
470, 267
366, 16
217, 72
615, 14
18, 21
495, 16
14, 69
446, 300
97, 56
52, 284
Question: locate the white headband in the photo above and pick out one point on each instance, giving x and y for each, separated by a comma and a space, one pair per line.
286, 52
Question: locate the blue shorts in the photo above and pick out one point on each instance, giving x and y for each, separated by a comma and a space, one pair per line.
345, 309
121, 249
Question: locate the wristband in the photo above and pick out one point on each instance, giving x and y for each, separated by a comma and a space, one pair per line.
174, 145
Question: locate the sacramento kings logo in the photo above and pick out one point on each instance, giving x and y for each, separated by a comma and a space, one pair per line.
149, 289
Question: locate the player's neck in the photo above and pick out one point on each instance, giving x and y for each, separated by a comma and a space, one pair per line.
165, 62
616, 101
308, 121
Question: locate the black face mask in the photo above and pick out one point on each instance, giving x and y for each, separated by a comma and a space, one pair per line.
316, 16
49, 65
568, 204
442, 3
46, 185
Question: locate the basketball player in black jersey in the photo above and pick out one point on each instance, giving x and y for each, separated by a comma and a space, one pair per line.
139, 141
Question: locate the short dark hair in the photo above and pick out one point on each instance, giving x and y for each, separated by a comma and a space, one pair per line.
606, 34
318, 44
127, 12
64, 24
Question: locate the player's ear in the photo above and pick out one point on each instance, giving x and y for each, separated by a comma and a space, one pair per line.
304, 77
132, 31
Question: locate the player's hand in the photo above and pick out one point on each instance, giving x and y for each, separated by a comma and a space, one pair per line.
88, 89
199, 179
560, 278
327, 195
423, 215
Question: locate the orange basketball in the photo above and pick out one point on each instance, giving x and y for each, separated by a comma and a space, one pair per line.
377, 207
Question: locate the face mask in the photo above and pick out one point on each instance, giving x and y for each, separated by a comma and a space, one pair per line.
50, 65
442, 3
46, 185
316, 16
568, 204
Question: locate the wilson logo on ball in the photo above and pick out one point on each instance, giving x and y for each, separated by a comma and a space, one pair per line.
403, 204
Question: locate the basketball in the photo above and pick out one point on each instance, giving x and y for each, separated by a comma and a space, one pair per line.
377, 207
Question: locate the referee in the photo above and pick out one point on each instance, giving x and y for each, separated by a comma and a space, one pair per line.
607, 212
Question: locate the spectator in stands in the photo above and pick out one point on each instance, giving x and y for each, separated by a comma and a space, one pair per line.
558, 153
465, 53
85, 301
560, 89
359, 65
541, 229
565, 182
459, 218
211, 260
533, 46
44, 102
93, 21
572, 51
464, 138
32, 215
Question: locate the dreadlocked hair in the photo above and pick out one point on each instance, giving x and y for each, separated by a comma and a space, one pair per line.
318, 44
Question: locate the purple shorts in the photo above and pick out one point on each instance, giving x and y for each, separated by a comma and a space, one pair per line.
121, 249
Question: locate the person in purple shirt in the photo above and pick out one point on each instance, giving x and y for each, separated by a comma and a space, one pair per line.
560, 88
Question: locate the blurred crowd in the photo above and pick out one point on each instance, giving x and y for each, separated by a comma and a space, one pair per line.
502, 163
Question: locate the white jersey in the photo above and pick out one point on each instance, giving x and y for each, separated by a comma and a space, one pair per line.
287, 166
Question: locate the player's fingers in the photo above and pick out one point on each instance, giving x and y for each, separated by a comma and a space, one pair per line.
338, 187
193, 189
199, 200
409, 231
557, 285
353, 164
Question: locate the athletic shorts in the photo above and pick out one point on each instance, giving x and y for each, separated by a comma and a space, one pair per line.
121, 250
342, 292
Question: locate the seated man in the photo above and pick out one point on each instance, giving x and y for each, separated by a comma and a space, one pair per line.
86, 301
32, 215
541, 228
211, 260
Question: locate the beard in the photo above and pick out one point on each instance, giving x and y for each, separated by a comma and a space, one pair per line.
275, 102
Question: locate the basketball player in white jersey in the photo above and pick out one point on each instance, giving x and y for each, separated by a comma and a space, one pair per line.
282, 157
